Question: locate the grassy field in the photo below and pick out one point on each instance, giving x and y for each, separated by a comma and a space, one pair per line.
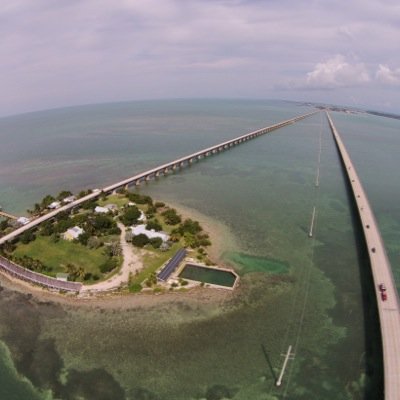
57, 255
153, 261
117, 199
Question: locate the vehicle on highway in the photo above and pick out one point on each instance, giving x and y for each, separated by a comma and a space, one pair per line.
383, 296
382, 287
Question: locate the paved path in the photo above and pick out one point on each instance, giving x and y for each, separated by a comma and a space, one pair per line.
389, 310
149, 174
131, 263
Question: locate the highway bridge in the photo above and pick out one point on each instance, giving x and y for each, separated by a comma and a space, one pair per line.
154, 172
389, 309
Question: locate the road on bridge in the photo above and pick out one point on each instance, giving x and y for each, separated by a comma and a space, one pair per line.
389, 310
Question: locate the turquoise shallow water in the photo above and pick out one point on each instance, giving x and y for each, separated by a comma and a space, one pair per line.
294, 290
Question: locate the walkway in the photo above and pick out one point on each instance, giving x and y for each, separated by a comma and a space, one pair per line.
131, 263
39, 279
147, 175
150, 174
170, 267
389, 310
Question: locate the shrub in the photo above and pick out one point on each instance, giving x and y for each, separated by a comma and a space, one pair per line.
135, 288
47, 229
140, 199
88, 276
83, 238
140, 240
47, 200
3, 225
151, 280
109, 265
190, 226
63, 194
102, 222
159, 204
27, 236
171, 217
121, 190
130, 216
89, 205
156, 242
94, 242
154, 225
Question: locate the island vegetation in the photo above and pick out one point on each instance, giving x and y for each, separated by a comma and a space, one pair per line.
84, 243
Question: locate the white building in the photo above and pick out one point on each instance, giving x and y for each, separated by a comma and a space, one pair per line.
54, 205
23, 220
69, 199
101, 210
73, 233
151, 234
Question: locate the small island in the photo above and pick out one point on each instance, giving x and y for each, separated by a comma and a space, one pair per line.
116, 242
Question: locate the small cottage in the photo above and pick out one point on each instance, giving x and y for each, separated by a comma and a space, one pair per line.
73, 233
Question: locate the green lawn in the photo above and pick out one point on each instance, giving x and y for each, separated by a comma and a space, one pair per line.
153, 261
117, 199
57, 255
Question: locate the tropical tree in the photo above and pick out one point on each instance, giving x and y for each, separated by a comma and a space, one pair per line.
140, 240
130, 216
63, 194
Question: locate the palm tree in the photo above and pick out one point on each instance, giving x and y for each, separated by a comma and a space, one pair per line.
71, 270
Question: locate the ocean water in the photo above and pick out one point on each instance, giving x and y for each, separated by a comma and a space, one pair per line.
312, 293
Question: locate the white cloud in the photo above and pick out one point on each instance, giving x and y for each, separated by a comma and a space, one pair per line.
336, 72
388, 76
65, 52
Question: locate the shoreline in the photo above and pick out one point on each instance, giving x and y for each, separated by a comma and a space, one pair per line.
221, 240
118, 300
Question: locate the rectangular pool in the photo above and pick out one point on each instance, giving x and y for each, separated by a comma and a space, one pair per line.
208, 275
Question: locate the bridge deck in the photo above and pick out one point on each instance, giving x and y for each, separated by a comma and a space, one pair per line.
149, 173
389, 310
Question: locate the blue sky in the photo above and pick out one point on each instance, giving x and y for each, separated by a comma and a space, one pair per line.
57, 53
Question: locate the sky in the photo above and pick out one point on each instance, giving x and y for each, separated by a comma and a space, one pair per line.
56, 53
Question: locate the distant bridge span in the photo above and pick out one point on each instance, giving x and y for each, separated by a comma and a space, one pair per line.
151, 173
389, 310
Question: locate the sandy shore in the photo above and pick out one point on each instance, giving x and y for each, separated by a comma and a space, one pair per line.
222, 240
116, 300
